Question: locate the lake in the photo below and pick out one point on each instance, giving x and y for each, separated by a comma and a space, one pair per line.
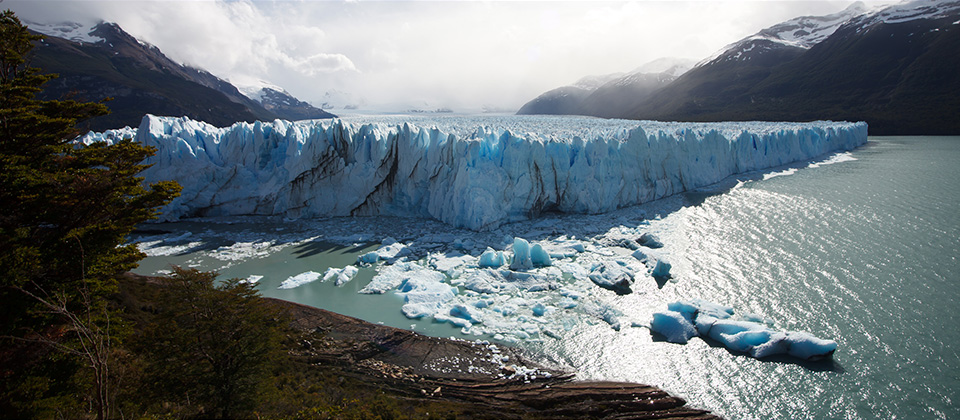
859, 247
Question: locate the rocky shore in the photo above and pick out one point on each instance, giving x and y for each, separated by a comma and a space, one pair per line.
491, 381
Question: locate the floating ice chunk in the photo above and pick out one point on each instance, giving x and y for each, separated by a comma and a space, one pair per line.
708, 319
450, 263
775, 344
369, 258
392, 250
723, 329
607, 313
467, 313
661, 269
253, 278
656, 262
612, 276
300, 279
806, 346
539, 257
521, 255
242, 251
394, 275
340, 275
712, 309
505, 281
418, 310
482, 281
564, 248
492, 259
650, 240
389, 251
424, 296
460, 315
673, 326
539, 309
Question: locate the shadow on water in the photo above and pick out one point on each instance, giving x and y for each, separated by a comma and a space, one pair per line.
314, 248
823, 365
545, 225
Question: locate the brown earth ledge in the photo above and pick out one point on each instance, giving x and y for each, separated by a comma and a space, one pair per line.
413, 366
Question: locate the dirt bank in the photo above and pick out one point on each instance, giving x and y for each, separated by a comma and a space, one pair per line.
491, 381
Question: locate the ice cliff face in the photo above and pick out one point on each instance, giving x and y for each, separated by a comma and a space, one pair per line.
476, 173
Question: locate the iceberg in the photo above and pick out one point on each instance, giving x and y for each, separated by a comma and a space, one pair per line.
340, 276
687, 319
492, 259
300, 279
521, 255
472, 172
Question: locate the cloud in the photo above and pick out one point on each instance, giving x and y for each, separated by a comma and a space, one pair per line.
442, 53
323, 63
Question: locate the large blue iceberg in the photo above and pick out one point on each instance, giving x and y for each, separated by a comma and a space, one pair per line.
477, 173
687, 319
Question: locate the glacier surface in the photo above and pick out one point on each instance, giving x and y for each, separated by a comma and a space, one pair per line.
472, 172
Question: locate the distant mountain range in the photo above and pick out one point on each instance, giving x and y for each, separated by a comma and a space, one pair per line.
104, 61
898, 68
606, 95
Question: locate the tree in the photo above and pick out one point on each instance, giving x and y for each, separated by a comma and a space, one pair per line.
211, 346
65, 213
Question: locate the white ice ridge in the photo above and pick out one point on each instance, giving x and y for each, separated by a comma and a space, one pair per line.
750, 334
472, 172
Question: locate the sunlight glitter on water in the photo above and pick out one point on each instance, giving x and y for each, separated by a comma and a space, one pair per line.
862, 251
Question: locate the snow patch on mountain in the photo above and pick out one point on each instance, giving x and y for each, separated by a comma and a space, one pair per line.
801, 32
73, 31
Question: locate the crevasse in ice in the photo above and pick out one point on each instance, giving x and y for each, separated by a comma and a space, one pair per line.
472, 172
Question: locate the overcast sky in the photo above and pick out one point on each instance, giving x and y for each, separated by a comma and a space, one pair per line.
454, 54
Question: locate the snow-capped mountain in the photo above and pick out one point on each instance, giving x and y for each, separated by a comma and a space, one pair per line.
72, 31
604, 94
101, 61
277, 100
799, 33
894, 67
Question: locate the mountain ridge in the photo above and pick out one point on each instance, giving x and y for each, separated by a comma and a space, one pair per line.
106, 62
894, 67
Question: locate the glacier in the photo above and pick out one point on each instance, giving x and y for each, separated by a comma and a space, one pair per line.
472, 172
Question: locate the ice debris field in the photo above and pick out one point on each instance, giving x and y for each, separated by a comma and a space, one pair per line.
472, 172
511, 276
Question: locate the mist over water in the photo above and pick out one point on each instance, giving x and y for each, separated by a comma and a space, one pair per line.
862, 251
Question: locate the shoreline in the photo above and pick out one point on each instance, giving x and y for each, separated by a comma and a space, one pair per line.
496, 381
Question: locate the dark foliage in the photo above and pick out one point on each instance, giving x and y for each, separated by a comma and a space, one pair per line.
64, 213
208, 349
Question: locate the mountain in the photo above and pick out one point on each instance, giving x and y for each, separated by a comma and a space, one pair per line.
895, 67
606, 95
106, 62
277, 100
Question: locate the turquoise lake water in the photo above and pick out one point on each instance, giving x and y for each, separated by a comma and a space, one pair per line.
863, 251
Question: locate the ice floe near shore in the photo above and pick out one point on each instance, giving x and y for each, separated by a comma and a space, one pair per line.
687, 319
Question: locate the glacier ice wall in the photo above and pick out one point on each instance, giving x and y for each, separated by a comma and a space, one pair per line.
476, 173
